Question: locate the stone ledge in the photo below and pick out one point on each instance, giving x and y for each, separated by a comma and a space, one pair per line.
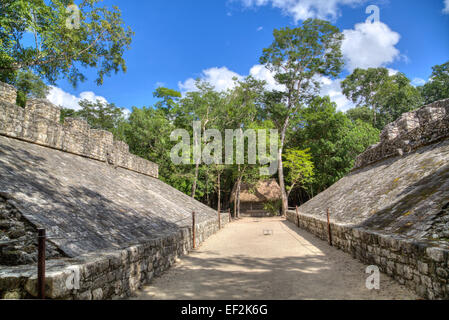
39, 123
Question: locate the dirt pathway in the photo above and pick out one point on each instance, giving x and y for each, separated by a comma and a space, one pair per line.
240, 262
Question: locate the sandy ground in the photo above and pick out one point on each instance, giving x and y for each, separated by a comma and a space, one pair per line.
240, 262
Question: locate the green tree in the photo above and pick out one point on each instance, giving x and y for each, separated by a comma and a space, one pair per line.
61, 48
243, 111
396, 97
389, 96
29, 85
170, 99
362, 87
202, 106
67, 113
333, 139
438, 86
298, 57
101, 115
361, 113
300, 168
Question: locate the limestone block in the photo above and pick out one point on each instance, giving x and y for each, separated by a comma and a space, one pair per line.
8, 93
436, 254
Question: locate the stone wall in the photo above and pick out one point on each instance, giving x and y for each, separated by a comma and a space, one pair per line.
413, 130
18, 240
39, 123
416, 264
8, 93
107, 274
105, 212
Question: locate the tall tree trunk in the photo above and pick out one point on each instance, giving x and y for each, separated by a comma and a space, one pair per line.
235, 203
197, 167
281, 169
238, 197
219, 192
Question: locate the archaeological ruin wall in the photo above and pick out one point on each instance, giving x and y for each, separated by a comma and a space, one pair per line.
39, 123
392, 209
111, 224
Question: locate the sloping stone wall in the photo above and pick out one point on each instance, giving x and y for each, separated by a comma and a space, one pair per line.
18, 241
39, 123
413, 130
392, 209
87, 205
105, 212
419, 265
106, 274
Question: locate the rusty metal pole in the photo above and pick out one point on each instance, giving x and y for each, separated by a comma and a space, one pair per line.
193, 231
41, 264
297, 216
329, 231
219, 220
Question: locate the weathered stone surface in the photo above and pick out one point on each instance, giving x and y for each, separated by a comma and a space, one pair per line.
90, 204
39, 123
102, 207
404, 196
7, 93
393, 209
18, 241
410, 132
98, 277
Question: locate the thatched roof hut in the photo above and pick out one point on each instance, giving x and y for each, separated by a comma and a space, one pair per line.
264, 191
253, 197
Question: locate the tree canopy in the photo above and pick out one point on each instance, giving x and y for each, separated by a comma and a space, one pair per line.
387, 95
66, 39
438, 86
298, 57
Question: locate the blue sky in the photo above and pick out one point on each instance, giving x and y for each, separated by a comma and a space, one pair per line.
179, 40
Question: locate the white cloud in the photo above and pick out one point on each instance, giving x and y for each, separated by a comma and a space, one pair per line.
370, 45
220, 78
418, 82
332, 88
259, 72
259, 29
392, 72
59, 97
446, 6
304, 9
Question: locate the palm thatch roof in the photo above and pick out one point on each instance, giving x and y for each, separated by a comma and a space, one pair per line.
263, 191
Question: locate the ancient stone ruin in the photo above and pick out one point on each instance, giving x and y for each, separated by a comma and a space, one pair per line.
392, 210
111, 224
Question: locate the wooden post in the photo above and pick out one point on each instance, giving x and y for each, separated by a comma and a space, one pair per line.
219, 220
297, 216
329, 231
229, 211
41, 264
193, 231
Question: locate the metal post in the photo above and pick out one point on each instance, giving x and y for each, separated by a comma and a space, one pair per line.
297, 216
41, 264
219, 220
329, 227
193, 230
